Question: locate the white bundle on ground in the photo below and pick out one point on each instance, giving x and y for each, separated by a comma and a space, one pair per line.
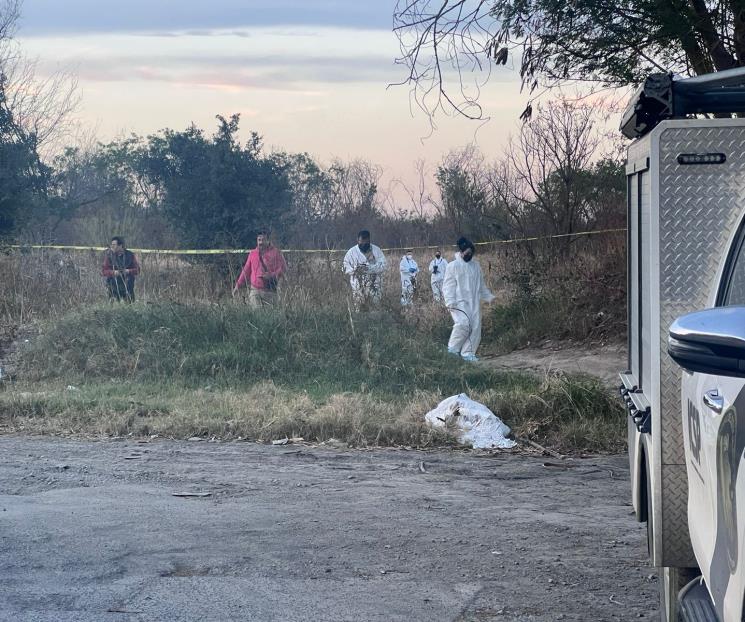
473, 423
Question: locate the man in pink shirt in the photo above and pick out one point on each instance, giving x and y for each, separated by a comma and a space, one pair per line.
264, 267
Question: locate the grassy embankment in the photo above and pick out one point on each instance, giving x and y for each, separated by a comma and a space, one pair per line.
227, 372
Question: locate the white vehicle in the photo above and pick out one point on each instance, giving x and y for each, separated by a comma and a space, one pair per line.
686, 200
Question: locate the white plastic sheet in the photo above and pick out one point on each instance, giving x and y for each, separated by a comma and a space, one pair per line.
473, 423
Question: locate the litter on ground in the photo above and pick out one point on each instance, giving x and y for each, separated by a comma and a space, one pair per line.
471, 422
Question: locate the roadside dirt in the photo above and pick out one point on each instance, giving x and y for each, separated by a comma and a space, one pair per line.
93, 531
605, 362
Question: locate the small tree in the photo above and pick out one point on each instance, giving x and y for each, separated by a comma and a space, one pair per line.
467, 202
32, 114
23, 177
214, 190
100, 189
542, 179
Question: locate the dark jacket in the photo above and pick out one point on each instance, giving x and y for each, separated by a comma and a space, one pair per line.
124, 261
124, 284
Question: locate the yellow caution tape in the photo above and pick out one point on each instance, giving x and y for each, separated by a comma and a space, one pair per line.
242, 251
553, 237
143, 251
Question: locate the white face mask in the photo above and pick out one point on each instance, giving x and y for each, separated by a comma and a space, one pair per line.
408, 256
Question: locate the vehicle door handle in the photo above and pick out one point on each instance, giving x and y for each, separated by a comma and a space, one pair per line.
714, 401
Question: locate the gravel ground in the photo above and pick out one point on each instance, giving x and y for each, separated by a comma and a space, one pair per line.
93, 531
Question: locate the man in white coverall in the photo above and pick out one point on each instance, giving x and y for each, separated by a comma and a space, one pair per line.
409, 270
365, 263
437, 271
464, 289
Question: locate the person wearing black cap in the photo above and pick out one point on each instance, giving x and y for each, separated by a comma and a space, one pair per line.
464, 289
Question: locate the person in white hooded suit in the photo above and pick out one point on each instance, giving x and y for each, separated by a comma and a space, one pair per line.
464, 289
437, 269
409, 271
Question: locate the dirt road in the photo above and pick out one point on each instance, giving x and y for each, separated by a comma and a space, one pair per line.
605, 362
93, 531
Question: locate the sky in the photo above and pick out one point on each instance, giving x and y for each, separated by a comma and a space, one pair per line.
308, 75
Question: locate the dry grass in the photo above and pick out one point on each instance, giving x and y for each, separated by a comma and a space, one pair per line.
262, 412
227, 371
543, 290
186, 360
265, 412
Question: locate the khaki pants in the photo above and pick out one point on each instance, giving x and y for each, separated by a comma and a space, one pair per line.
261, 298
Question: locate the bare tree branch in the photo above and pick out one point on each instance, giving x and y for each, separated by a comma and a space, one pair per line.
449, 46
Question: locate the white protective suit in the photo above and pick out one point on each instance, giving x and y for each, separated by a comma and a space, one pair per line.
464, 289
438, 276
409, 271
365, 272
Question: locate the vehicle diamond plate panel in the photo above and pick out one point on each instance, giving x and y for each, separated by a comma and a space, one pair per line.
699, 205
677, 551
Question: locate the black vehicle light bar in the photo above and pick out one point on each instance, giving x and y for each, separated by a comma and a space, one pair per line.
662, 97
702, 158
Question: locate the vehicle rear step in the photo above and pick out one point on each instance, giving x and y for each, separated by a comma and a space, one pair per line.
695, 603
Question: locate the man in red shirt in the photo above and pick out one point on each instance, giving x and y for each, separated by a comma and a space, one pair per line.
120, 268
264, 267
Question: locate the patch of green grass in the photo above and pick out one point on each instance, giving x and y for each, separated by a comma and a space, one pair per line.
566, 313
228, 371
522, 322
235, 346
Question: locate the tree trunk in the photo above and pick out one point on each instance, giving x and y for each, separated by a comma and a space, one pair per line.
721, 57
738, 11
671, 12
695, 55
